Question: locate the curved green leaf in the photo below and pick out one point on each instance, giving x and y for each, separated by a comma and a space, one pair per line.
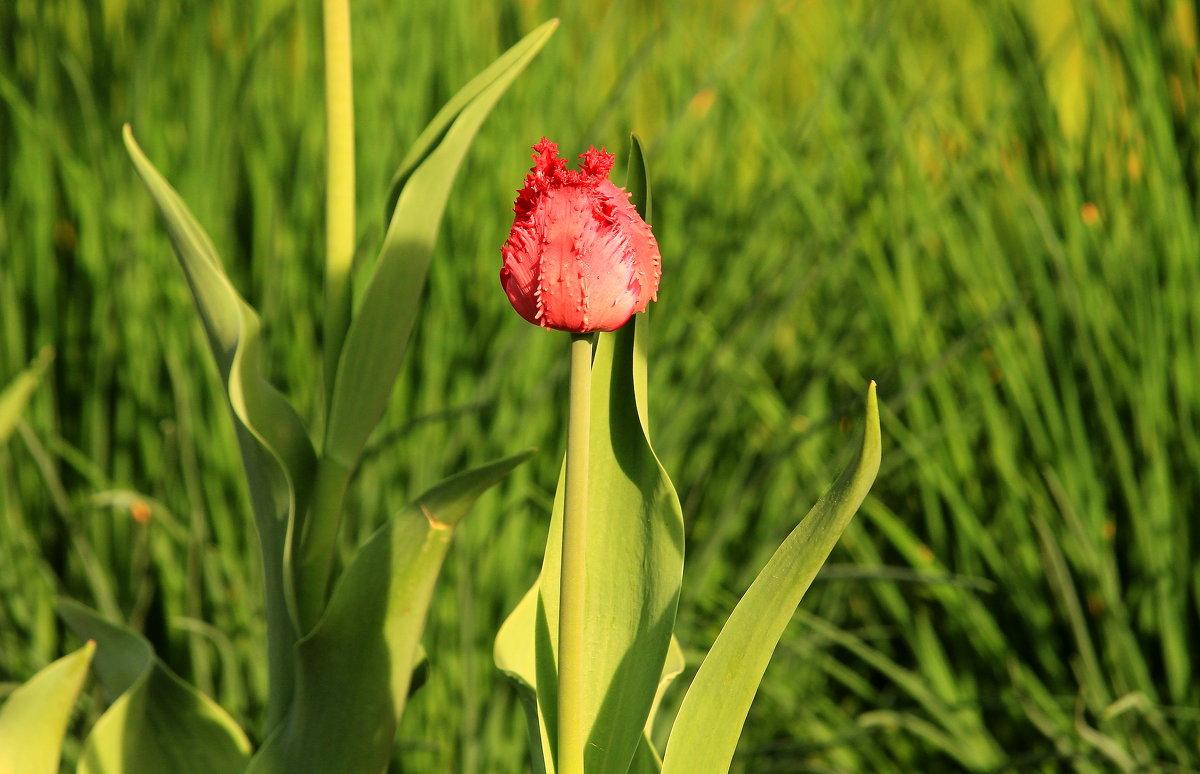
276, 451
379, 333
515, 655
34, 718
124, 656
354, 668
672, 668
16, 395
157, 724
436, 129
706, 730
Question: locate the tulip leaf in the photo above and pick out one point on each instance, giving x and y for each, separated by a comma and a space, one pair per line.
706, 730
354, 668
672, 668
516, 57
276, 451
635, 564
637, 181
646, 760
515, 656
378, 337
16, 395
156, 723
34, 718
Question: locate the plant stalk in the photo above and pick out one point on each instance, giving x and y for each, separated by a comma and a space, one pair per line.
339, 181
572, 571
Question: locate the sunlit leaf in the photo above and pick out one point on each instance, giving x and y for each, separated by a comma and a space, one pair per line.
378, 336
34, 718
706, 730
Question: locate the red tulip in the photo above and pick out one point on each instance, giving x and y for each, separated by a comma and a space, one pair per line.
579, 257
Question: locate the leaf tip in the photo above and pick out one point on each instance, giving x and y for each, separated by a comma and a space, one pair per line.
871, 433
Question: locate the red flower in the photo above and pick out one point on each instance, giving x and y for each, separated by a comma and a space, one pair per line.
579, 257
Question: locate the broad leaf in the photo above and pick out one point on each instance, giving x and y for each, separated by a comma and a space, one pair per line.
635, 565
706, 730
515, 656
16, 395
157, 723
34, 718
353, 670
276, 451
379, 334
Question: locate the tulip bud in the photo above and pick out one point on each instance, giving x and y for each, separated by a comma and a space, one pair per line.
579, 258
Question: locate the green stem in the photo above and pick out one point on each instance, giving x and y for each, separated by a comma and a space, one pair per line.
572, 572
339, 181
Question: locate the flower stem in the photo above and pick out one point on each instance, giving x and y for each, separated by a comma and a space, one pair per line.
572, 570
339, 181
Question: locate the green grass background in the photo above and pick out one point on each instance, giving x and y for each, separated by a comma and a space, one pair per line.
988, 207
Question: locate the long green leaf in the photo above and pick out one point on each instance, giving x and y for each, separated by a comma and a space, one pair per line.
635, 565
157, 723
706, 730
34, 718
16, 395
276, 451
436, 129
353, 670
378, 337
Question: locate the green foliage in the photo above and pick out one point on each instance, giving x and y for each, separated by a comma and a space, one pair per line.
353, 668
34, 718
706, 730
843, 191
279, 459
378, 338
17, 393
156, 723
635, 562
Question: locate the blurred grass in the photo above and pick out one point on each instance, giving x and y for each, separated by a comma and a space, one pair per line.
990, 208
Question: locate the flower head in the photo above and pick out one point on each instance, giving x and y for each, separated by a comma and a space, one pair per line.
579, 257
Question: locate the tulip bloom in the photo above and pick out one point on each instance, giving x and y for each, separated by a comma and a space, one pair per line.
579, 258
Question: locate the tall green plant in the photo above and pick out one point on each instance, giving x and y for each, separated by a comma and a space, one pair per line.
340, 647
591, 672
